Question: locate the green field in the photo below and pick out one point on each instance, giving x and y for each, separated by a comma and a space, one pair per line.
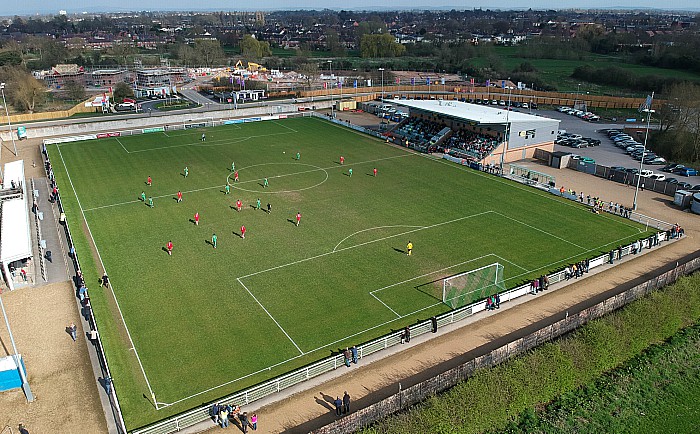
206, 322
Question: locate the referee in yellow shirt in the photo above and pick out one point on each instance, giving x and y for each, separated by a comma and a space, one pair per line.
409, 248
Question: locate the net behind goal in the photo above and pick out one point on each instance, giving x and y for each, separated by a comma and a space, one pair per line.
472, 286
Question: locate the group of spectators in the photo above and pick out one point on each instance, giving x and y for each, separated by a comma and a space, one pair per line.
473, 144
224, 413
419, 134
350, 355
539, 284
493, 302
576, 270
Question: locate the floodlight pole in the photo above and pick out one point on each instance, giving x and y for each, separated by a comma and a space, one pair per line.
15, 357
644, 150
7, 113
330, 88
506, 143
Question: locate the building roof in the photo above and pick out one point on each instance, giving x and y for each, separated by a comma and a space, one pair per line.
481, 114
15, 235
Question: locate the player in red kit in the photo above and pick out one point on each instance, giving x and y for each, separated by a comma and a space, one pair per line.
374, 171
242, 231
298, 218
196, 218
235, 176
169, 246
179, 196
342, 160
239, 205
149, 181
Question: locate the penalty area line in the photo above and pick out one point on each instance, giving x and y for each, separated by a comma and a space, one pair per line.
271, 317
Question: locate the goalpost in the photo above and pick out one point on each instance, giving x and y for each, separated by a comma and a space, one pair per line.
466, 288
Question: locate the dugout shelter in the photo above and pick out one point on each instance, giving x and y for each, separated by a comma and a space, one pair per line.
15, 235
520, 134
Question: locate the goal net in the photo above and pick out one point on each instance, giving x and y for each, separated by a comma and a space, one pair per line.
469, 287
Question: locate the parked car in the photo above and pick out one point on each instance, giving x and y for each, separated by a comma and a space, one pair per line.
657, 161
658, 177
672, 180
618, 168
632, 171
646, 173
683, 186
687, 171
695, 187
670, 167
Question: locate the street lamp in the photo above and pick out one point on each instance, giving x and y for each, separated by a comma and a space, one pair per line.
578, 92
649, 111
9, 125
330, 88
382, 69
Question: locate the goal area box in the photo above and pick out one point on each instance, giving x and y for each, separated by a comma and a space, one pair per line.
471, 286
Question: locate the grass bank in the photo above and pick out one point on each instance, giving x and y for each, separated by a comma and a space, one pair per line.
496, 398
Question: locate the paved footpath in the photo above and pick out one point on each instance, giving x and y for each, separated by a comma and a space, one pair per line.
310, 405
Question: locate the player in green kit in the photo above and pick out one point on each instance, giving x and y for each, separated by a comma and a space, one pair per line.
265, 184
350, 173
228, 189
187, 171
298, 156
233, 166
213, 240
257, 204
143, 196
150, 202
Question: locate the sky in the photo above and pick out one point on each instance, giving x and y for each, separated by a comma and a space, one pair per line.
30, 7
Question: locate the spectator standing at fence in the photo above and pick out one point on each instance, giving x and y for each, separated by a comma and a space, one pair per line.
353, 351
108, 385
254, 421
347, 356
244, 422
434, 324
73, 331
179, 196
338, 406
407, 334
223, 416
215, 412
346, 403
489, 306
498, 301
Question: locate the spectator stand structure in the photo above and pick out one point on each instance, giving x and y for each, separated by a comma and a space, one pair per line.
15, 234
488, 135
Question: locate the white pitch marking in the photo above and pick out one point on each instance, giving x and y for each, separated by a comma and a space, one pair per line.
119, 141
387, 306
371, 229
540, 230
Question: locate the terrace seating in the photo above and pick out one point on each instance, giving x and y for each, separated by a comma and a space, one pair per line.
470, 144
421, 134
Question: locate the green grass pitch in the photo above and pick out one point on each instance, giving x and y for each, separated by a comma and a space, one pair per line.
207, 322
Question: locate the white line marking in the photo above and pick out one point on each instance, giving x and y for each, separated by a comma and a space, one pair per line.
387, 306
247, 182
539, 230
119, 141
111, 286
285, 126
511, 263
364, 244
371, 229
271, 317
220, 142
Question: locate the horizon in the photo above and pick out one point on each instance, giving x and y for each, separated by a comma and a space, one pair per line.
36, 7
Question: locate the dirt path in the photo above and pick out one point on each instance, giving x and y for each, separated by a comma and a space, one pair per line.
312, 408
60, 375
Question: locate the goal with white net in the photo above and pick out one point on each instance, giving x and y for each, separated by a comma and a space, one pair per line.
469, 287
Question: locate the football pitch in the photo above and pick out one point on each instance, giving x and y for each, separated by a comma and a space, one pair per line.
205, 322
